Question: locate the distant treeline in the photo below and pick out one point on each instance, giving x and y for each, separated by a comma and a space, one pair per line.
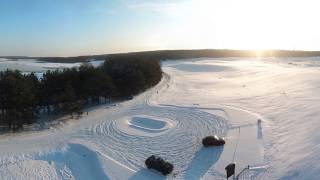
24, 96
180, 54
210, 53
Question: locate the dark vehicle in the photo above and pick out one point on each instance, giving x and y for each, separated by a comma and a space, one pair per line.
213, 141
157, 163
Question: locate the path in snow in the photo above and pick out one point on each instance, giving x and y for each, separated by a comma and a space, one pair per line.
113, 142
284, 90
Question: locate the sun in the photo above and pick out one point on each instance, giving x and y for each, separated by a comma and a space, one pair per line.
248, 24
259, 53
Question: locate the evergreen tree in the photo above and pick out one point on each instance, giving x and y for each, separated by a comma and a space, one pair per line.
24, 96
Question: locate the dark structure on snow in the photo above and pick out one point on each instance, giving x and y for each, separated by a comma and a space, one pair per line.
213, 141
157, 163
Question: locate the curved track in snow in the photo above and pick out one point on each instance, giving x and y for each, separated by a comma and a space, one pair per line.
180, 143
97, 138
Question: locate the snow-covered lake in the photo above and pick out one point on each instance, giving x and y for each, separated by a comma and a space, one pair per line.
197, 97
32, 65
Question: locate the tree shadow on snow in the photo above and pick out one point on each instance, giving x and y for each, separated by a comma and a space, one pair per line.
146, 174
202, 161
82, 162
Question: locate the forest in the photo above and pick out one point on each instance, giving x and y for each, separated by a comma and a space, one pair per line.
184, 54
24, 96
174, 55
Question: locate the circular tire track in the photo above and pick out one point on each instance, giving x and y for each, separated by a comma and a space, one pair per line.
178, 145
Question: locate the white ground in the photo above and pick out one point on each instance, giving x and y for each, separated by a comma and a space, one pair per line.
32, 65
195, 98
145, 125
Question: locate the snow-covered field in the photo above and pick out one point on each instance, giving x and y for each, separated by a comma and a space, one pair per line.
33, 65
197, 97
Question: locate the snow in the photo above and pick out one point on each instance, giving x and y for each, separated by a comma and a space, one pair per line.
144, 125
196, 98
33, 65
76, 162
147, 123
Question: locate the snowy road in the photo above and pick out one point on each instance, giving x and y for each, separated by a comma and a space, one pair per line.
195, 98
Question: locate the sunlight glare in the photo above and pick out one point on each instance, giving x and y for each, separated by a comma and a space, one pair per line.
248, 24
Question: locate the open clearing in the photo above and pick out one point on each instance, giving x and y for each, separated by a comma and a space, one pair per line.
196, 98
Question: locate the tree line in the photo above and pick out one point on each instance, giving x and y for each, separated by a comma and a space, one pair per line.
24, 96
183, 54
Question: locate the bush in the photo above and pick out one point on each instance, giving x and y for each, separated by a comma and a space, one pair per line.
157, 163
213, 141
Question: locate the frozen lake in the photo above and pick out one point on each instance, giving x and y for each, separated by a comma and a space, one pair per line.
32, 65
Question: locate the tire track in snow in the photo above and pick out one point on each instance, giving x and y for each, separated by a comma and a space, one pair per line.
178, 145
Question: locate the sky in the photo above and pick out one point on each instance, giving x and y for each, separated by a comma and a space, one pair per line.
83, 27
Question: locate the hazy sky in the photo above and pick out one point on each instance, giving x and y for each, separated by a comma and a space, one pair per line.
78, 27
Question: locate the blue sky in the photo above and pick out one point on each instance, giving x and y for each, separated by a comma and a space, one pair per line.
79, 27
72, 27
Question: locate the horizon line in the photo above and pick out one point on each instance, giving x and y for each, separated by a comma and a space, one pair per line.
155, 50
